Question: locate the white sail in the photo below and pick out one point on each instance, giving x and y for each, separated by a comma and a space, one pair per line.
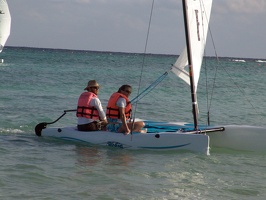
5, 23
199, 14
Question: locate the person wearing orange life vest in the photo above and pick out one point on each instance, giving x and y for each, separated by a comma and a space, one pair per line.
89, 109
118, 113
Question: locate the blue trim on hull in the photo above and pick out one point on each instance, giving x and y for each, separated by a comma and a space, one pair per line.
108, 143
73, 139
123, 146
170, 147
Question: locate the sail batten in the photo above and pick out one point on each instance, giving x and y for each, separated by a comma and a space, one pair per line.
199, 14
5, 23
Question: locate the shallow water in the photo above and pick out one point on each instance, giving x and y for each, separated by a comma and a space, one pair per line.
38, 84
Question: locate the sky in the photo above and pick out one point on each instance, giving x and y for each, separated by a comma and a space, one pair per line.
238, 27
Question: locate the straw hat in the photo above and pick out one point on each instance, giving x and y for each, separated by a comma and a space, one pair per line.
92, 83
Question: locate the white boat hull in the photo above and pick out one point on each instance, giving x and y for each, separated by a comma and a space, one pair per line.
168, 136
155, 141
234, 137
237, 137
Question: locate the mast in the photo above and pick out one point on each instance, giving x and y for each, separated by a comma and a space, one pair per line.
190, 65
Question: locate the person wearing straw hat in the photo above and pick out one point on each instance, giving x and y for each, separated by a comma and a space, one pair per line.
91, 116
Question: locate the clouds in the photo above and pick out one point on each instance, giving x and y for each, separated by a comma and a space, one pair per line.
238, 24
121, 25
247, 6
240, 6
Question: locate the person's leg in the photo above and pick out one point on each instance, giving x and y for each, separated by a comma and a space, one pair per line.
88, 127
137, 126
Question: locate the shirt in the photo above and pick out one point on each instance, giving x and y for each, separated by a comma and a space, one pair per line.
97, 104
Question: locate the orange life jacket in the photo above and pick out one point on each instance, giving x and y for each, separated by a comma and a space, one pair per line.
112, 109
84, 109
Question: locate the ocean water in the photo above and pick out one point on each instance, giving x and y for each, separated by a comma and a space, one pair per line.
37, 85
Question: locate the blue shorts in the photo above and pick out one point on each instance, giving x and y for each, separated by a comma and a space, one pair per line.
114, 125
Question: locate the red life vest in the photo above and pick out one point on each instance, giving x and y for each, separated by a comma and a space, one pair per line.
84, 109
112, 109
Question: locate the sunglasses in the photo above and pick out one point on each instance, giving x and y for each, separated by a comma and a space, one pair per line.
128, 91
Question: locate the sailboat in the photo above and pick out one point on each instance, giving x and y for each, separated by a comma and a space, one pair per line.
5, 24
172, 135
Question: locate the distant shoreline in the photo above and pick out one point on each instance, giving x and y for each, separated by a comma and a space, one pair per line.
117, 52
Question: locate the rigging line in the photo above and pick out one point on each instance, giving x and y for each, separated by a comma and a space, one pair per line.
205, 62
242, 92
215, 77
143, 61
216, 68
149, 89
215, 74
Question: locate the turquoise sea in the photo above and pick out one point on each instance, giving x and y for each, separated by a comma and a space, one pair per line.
37, 85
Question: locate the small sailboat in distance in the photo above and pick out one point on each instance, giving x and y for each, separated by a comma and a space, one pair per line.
5, 24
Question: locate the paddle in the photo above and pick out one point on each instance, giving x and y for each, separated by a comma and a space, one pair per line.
40, 126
